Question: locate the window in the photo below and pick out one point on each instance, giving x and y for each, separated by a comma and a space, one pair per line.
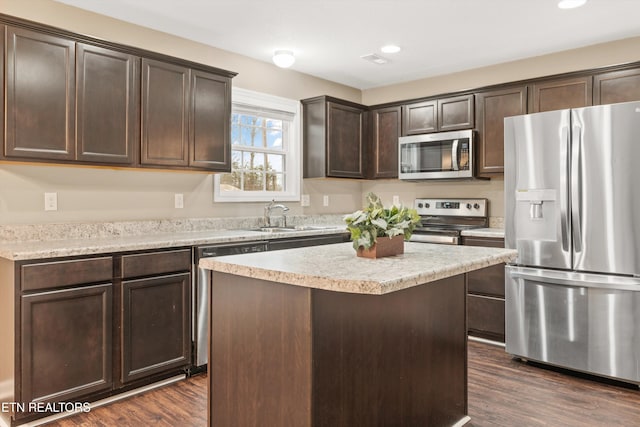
265, 150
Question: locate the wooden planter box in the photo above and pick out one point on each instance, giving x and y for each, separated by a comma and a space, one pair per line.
384, 246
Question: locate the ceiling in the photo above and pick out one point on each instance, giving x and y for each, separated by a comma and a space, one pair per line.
329, 37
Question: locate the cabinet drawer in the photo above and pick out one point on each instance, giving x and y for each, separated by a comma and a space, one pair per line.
487, 281
138, 265
485, 316
56, 274
489, 242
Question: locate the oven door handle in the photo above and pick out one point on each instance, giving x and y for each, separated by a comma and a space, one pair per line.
432, 238
454, 155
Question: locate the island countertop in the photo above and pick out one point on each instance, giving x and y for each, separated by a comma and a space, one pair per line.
337, 268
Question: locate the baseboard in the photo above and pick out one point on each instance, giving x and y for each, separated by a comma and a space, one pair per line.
105, 401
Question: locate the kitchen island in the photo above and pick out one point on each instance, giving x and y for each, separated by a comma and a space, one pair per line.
319, 337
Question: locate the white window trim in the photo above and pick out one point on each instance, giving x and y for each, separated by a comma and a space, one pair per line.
293, 159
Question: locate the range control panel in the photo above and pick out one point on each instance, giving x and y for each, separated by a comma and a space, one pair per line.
451, 207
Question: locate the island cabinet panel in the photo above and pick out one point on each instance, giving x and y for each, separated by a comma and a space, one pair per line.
165, 114
65, 347
485, 298
291, 355
571, 92
616, 86
260, 355
491, 109
40, 96
108, 105
386, 127
396, 359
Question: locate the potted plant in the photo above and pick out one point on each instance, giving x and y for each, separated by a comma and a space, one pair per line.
377, 231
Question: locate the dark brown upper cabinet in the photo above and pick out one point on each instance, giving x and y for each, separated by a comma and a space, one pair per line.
455, 113
616, 86
334, 133
186, 117
491, 109
72, 99
438, 115
165, 114
420, 117
210, 118
571, 92
108, 105
40, 96
386, 125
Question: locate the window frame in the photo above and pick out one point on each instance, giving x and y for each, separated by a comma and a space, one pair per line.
252, 100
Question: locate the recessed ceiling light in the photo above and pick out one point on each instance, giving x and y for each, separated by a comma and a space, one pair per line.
390, 48
571, 4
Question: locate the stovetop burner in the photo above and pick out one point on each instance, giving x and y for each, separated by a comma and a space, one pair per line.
443, 220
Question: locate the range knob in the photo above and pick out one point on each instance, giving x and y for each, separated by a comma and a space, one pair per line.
468, 205
427, 205
477, 206
420, 205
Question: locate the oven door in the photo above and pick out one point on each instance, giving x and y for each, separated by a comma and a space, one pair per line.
436, 156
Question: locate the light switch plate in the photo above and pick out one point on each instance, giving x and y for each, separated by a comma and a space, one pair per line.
305, 200
396, 200
325, 200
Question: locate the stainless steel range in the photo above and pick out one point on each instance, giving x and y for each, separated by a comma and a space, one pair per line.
443, 220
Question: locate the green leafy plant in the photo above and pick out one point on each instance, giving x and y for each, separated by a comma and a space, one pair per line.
375, 221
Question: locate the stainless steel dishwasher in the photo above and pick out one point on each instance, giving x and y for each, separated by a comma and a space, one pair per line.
201, 287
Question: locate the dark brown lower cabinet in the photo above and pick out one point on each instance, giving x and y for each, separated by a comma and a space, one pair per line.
90, 327
155, 325
485, 295
66, 349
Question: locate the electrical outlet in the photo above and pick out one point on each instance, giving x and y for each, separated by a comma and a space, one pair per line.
50, 201
179, 201
305, 200
325, 200
396, 200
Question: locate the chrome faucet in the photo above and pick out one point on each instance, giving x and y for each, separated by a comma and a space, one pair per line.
267, 213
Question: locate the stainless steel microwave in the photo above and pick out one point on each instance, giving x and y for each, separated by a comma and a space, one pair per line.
443, 155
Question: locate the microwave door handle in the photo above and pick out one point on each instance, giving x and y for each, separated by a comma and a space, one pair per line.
454, 155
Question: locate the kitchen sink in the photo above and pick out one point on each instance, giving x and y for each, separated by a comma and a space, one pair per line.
273, 229
296, 228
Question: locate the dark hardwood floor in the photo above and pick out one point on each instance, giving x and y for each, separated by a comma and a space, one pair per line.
502, 392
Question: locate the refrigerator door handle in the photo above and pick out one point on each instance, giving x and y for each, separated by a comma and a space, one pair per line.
575, 279
454, 155
576, 190
564, 185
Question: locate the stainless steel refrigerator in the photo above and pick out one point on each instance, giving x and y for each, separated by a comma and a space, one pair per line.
572, 210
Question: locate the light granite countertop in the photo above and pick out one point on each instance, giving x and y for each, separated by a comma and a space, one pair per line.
28, 250
485, 232
337, 268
